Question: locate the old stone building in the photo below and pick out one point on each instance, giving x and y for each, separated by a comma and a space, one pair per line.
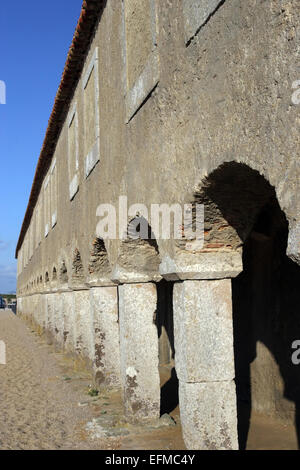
175, 102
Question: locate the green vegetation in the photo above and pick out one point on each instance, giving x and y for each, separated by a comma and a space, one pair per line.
9, 297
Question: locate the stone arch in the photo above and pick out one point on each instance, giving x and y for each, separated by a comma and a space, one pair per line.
139, 256
77, 268
243, 219
233, 195
99, 267
47, 277
54, 274
63, 273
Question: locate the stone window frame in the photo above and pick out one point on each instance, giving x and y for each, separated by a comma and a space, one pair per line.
24, 257
38, 225
150, 76
20, 262
73, 179
47, 210
195, 18
26, 251
31, 239
53, 194
93, 156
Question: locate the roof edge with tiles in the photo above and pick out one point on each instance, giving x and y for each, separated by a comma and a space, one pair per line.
88, 20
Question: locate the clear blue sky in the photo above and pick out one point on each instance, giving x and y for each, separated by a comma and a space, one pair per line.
34, 40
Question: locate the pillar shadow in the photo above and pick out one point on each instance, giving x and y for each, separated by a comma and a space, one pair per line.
164, 321
266, 311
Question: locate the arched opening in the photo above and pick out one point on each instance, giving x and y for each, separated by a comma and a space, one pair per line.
242, 213
54, 274
47, 277
139, 253
77, 268
99, 264
63, 273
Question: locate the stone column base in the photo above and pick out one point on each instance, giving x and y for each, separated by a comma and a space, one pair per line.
208, 415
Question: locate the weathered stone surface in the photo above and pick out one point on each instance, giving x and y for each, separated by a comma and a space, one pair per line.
20, 306
83, 327
216, 265
69, 320
49, 315
58, 319
223, 123
203, 331
196, 13
104, 307
208, 415
293, 249
122, 275
139, 351
38, 310
43, 311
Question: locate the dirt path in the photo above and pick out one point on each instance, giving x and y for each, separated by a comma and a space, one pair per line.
38, 407
44, 402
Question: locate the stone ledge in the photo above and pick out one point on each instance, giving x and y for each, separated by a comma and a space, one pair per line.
122, 276
204, 266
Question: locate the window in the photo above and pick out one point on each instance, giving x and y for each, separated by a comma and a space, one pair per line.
47, 205
31, 239
73, 152
53, 191
140, 52
90, 87
38, 215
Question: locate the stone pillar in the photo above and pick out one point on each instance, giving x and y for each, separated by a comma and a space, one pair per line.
205, 363
58, 319
40, 313
44, 314
36, 309
19, 306
49, 317
139, 351
83, 325
104, 310
68, 321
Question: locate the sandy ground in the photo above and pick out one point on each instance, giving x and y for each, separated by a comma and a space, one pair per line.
38, 408
44, 404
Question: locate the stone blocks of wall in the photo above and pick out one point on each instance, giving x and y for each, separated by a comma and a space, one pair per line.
203, 331
208, 415
204, 359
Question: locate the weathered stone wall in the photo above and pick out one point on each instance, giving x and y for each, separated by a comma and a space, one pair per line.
212, 86
225, 97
